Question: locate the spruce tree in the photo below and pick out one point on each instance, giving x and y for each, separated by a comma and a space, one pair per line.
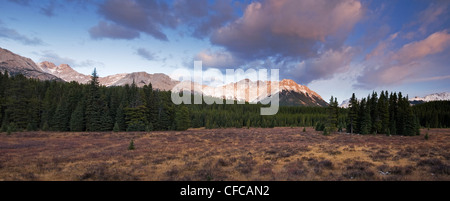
393, 113
383, 109
120, 118
135, 118
131, 145
182, 118
353, 114
94, 105
77, 122
61, 119
333, 110
116, 127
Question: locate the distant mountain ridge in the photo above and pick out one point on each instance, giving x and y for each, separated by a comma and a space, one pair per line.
289, 91
432, 97
16, 64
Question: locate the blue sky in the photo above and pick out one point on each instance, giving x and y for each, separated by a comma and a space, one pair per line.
334, 47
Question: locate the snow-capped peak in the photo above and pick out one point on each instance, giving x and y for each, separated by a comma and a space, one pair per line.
433, 97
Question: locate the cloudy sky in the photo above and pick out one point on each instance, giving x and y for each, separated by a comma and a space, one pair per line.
333, 47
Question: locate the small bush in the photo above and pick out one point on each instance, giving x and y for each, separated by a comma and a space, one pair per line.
45, 127
304, 129
426, 136
131, 146
116, 127
326, 132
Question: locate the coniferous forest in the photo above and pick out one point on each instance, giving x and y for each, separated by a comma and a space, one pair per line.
29, 104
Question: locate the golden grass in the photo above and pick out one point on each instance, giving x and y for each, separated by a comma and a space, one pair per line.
224, 154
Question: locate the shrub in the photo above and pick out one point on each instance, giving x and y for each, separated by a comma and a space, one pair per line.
116, 127
30, 127
131, 146
9, 130
426, 136
326, 132
304, 129
45, 127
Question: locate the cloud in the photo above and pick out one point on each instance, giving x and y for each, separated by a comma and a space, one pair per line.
21, 2
14, 35
433, 44
204, 17
112, 31
49, 10
288, 28
218, 59
142, 16
325, 66
433, 15
144, 53
409, 63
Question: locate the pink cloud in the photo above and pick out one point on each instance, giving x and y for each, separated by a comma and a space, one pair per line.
409, 63
288, 27
433, 44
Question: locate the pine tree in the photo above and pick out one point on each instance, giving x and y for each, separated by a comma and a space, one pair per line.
353, 114
116, 127
383, 108
94, 105
375, 114
393, 113
77, 123
120, 118
45, 127
365, 117
131, 145
135, 118
333, 115
182, 118
30, 127
61, 119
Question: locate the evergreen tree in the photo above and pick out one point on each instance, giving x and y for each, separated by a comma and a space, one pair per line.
393, 113
120, 118
131, 145
333, 115
77, 123
116, 127
365, 117
182, 120
353, 113
61, 119
135, 118
383, 108
94, 105
375, 114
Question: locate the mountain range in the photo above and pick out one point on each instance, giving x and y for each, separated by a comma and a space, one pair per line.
432, 97
290, 92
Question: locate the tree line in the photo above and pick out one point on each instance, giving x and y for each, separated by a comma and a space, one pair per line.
389, 114
30, 104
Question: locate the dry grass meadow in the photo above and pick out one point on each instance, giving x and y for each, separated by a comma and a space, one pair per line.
224, 154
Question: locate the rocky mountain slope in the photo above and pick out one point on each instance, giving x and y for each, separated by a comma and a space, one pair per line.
16, 64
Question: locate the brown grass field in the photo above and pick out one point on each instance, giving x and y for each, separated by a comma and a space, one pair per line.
224, 154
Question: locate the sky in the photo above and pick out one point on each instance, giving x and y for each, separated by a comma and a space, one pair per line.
336, 48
